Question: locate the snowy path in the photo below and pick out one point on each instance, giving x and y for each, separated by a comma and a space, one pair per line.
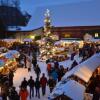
23, 72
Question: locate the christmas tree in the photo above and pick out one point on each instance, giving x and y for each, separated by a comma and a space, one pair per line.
46, 48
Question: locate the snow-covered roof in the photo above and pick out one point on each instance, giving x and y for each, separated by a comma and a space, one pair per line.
10, 40
95, 40
85, 70
27, 40
70, 88
14, 53
63, 12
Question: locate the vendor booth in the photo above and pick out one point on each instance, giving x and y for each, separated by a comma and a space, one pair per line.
71, 90
75, 84
85, 70
8, 61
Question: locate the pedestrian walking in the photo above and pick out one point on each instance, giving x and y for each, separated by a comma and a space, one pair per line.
37, 70
51, 83
74, 64
54, 74
49, 68
25, 61
13, 95
24, 83
31, 86
29, 64
34, 62
37, 87
23, 93
11, 75
43, 82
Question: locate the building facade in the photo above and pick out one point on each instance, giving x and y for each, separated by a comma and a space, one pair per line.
60, 32
77, 31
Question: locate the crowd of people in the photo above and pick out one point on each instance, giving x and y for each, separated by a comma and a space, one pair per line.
54, 70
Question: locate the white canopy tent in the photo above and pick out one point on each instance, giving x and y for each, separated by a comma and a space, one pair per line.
85, 70
71, 88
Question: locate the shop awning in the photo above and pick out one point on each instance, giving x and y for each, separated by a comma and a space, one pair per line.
85, 70
70, 88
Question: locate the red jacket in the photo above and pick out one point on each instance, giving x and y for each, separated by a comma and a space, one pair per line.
23, 94
43, 81
48, 66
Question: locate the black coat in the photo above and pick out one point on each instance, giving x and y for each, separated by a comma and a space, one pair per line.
13, 95
37, 84
24, 84
51, 83
31, 83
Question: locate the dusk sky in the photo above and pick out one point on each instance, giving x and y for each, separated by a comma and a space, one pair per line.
32, 4
63, 12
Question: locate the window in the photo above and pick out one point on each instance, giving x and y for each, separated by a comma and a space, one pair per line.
96, 35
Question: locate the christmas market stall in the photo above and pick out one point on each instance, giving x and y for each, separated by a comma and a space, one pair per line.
71, 46
8, 42
8, 61
68, 90
85, 69
15, 53
85, 77
1, 65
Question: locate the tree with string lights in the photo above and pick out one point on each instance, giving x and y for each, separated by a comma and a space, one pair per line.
48, 42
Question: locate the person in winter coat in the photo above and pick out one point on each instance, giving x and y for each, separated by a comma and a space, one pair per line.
5, 90
54, 75
37, 70
34, 62
72, 56
13, 95
96, 94
74, 64
25, 61
37, 87
56, 64
31, 86
24, 83
23, 93
49, 68
43, 82
51, 83
60, 72
11, 75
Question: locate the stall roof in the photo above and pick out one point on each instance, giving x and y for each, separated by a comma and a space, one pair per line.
85, 70
27, 40
71, 88
94, 40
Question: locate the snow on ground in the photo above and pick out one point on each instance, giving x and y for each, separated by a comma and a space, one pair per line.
69, 62
23, 72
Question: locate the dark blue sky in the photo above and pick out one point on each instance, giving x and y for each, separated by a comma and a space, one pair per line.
63, 12
32, 4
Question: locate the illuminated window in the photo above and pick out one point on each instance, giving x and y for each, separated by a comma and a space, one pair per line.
96, 35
